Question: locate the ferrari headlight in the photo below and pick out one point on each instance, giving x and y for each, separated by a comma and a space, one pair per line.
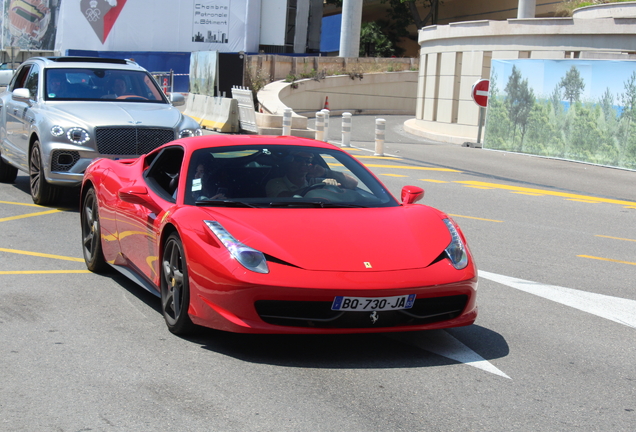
77, 135
456, 250
186, 133
249, 258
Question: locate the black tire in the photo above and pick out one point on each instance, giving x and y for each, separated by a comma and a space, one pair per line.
8, 172
42, 192
175, 289
92, 233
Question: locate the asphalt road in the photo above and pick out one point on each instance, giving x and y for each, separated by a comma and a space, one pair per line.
553, 348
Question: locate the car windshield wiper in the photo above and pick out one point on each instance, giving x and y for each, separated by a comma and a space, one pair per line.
223, 203
342, 205
313, 204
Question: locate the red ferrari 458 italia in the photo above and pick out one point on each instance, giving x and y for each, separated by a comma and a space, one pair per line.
258, 234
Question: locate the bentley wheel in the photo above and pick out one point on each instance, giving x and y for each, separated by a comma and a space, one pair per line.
175, 290
8, 172
91, 233
42, 192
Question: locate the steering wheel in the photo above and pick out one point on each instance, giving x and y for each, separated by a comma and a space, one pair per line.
130, 96
325, 186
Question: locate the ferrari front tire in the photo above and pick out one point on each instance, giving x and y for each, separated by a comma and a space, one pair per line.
92, 233
42, 192
175, 289
8, 172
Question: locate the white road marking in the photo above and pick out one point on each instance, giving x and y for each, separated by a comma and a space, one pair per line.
441, 343
620, 310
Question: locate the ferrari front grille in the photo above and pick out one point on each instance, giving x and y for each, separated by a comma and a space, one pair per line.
319, 314
131, 140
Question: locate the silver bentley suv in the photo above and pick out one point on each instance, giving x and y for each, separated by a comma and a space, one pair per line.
60, 113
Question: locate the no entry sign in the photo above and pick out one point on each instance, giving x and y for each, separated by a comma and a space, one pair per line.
480, 92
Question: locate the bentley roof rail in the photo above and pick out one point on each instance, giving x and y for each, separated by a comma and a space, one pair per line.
88, 60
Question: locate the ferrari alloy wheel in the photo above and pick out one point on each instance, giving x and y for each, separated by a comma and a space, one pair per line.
91, 233
175, 289
8, 173
42, 192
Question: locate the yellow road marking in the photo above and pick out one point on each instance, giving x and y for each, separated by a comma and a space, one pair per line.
434, 181
527, 193
606, 259
22, 204
377, 157
547, 192
29, 215
413, 168
582, 200
476, 218
615, 238
43, 255
394, 175
17, 272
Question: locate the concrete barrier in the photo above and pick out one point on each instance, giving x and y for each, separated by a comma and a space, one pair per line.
221, 114
195, 106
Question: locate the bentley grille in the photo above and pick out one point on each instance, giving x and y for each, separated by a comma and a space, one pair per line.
131, 140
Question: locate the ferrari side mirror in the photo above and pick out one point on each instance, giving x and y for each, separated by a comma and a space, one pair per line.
411, 194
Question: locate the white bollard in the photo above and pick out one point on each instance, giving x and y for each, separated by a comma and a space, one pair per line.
346, 129
320, 126
287, 121
380, 126
326, 112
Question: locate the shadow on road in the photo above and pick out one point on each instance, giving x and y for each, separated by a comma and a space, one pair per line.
355, 351
346, 351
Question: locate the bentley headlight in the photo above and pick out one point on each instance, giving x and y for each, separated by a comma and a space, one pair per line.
57, 131
456, 250
77, 135
186, 133
249, 258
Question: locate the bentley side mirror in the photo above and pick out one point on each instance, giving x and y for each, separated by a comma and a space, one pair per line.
176, 99
21, 95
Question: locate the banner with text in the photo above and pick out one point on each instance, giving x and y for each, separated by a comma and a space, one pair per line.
160, 25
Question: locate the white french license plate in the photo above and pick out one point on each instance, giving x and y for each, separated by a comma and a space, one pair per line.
362, 304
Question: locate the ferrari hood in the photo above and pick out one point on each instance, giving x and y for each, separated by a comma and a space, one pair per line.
120, 113
382, 239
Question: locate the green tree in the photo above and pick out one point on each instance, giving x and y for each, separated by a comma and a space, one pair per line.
627, 123
374, 42
405, 12
573, 85
519, 102
401, 14
498, 127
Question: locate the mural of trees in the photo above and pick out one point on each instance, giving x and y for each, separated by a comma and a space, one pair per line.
562, 123
573, 85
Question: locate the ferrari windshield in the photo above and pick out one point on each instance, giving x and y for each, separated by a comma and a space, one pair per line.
78, 84
281, 176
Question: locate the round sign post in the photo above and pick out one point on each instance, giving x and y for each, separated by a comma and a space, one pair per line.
479, 94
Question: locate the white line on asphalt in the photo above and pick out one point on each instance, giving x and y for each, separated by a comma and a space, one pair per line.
620, 310
442, 343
